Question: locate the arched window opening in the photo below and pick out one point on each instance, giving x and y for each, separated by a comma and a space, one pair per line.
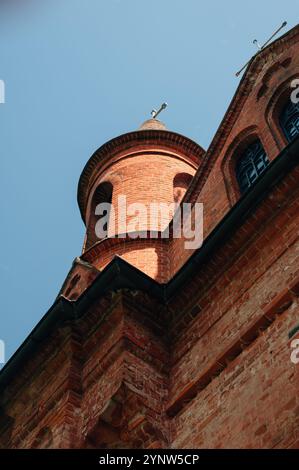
289, 120
103, 194
250, 165
181, 182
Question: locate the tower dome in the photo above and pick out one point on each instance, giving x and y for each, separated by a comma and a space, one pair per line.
153, 124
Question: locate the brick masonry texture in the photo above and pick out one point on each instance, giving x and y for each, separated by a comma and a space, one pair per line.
208, 366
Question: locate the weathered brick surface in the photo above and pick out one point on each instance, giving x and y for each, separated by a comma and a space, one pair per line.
231, 362
253, 403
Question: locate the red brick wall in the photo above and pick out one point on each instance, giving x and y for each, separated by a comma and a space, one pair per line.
105, 375
253, 403
232, 381
42, 396
125, 354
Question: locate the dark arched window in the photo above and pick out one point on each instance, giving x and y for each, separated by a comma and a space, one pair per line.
250, 165
103, 194
289, 120
181, 182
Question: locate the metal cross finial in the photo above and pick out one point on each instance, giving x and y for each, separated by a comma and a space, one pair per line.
260, 48
155, 113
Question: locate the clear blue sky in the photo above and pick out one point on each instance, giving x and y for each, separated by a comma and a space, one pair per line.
79, 72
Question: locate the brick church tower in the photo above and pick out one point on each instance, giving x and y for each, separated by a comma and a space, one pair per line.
150, 344
140, 168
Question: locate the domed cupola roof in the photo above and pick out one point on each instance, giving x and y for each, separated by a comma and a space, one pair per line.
153, 124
